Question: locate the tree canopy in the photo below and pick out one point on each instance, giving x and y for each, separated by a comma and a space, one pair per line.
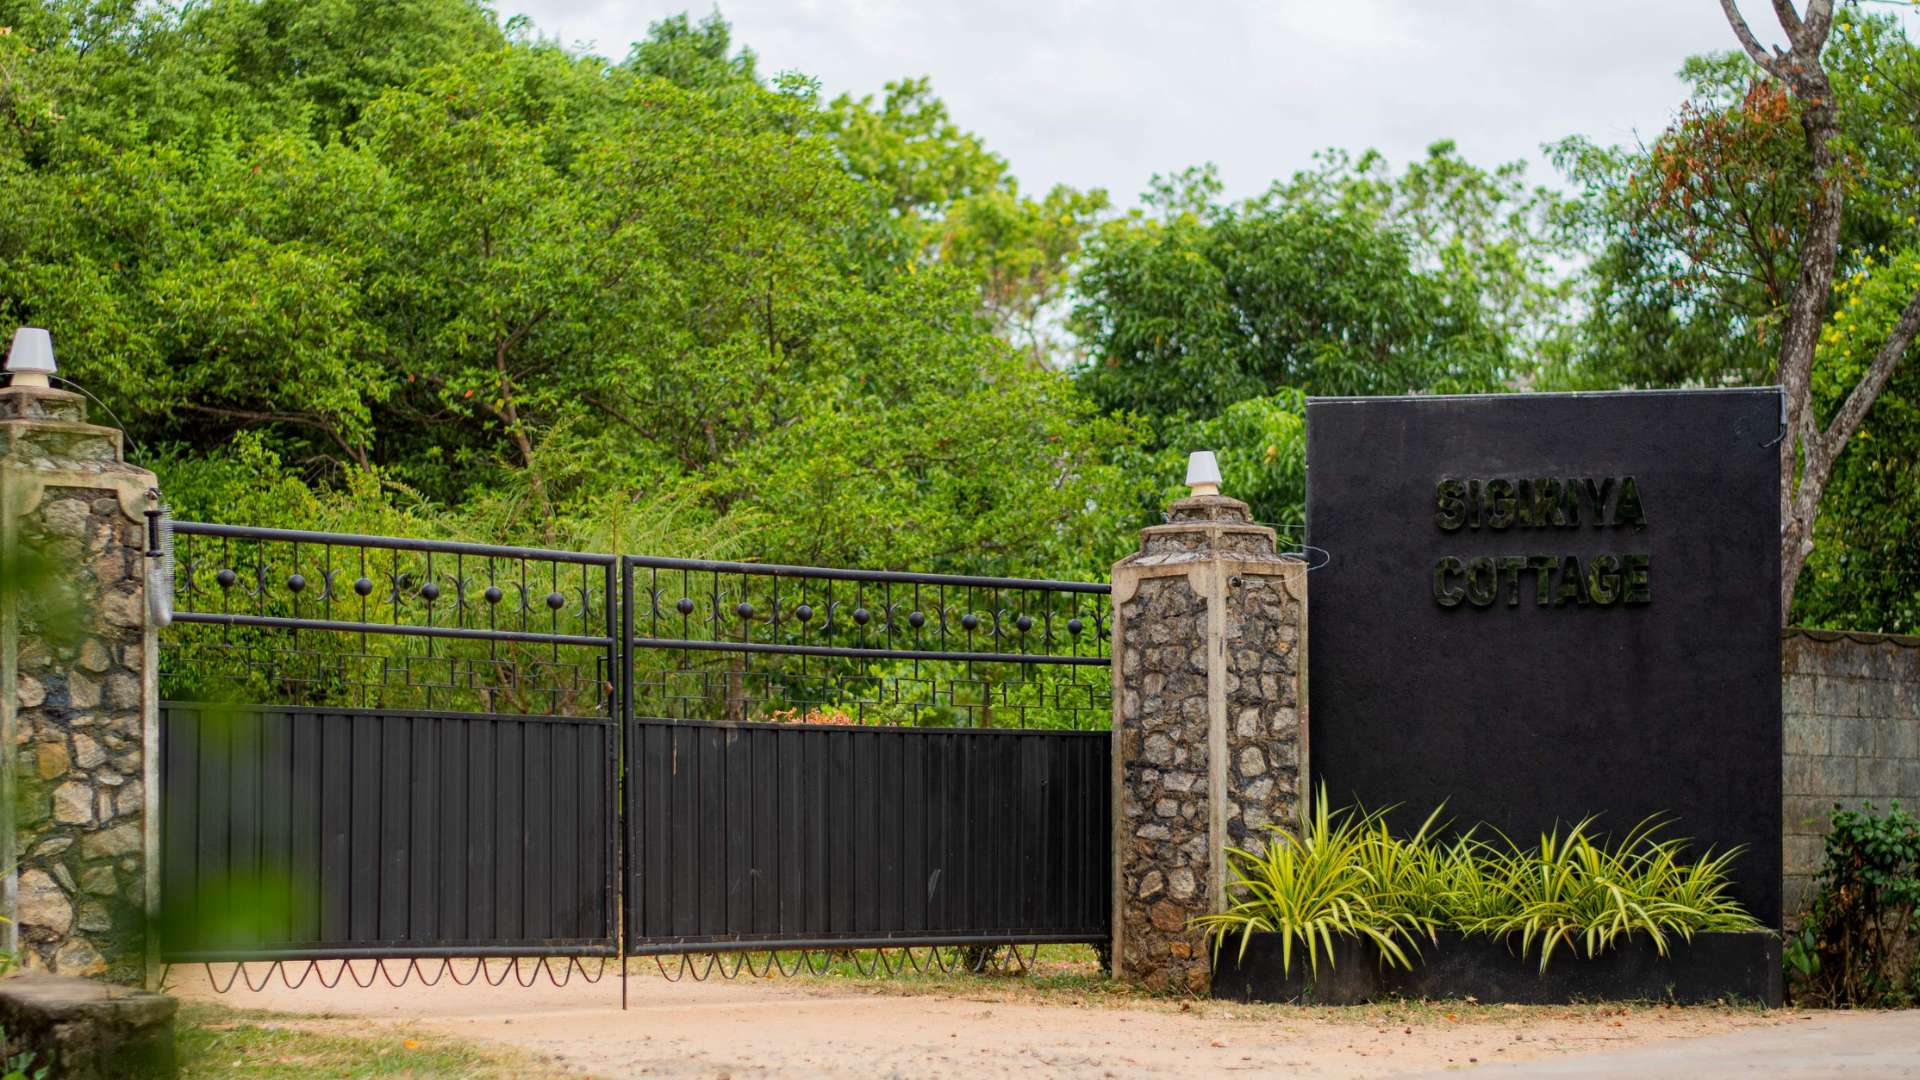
481, 267
407, 267
1698, 239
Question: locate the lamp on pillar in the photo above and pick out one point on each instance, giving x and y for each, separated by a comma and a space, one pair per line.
30, 360
1203, 473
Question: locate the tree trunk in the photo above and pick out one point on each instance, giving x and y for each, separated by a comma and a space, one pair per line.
1805, 462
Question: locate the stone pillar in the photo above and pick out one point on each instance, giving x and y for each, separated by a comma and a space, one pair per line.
77, 692
1209, 724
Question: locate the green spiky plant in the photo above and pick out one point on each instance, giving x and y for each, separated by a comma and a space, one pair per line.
1580, 893
1415, 876
1347, 875
1313, 888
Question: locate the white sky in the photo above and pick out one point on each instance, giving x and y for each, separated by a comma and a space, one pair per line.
1105, 93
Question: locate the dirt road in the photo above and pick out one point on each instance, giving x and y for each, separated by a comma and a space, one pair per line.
752, 1028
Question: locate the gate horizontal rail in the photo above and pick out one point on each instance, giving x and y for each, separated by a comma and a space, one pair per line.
395, 543
864, 654
869, 941
401, 950
833, 573
339, 626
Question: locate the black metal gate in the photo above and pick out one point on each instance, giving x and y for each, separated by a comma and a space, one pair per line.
375, 748
307, 833
772, 836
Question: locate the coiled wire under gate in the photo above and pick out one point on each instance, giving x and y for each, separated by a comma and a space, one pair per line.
527, 970
410, 969
810, 763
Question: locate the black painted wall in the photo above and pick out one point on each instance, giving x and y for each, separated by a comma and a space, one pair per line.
1520, 715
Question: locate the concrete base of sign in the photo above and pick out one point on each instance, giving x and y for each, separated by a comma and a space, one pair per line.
1738, 967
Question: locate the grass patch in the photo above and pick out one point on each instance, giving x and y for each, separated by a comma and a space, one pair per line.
217, 1042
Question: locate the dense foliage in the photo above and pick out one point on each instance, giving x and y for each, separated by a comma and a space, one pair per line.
475, 274
1696, 240
1346, 875
404, 266
1859, 945
1213, 319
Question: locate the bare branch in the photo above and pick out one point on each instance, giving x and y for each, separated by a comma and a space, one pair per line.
1854, 410
1789, 18
1819, 21
600, 403
509, 413
1751, 44
358, 453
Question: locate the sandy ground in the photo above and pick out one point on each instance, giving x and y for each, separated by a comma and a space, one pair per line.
1881, 1046
751, 1028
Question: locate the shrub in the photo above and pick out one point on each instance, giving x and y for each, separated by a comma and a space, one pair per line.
19, 1061
1856, 945
1347, 875
1310, 888
1580, 893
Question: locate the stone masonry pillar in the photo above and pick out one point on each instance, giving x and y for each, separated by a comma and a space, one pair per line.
1209, 721
78, 701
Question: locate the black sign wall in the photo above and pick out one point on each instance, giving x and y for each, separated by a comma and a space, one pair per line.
1539, 607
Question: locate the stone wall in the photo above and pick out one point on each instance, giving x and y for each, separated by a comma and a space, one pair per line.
78, 733
1851, 710
82, 1030
75, 709
1265, 679
1164, 852
1209, 725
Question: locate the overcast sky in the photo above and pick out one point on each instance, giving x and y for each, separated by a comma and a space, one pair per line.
1105, 93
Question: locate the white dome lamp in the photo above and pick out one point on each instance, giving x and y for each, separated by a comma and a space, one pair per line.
1203, 473
30, 360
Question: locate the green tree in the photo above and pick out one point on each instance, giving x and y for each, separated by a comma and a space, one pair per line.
1695, 238
1762, 238
954, 202
1865, 572
327, 59
1211, 321
475, 274
1261, 444
695, 56
1194, 304
1495, 240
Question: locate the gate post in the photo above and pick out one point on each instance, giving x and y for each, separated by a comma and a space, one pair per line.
1209, 721
78, 702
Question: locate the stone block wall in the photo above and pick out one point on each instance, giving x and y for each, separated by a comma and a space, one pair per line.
1850, 705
